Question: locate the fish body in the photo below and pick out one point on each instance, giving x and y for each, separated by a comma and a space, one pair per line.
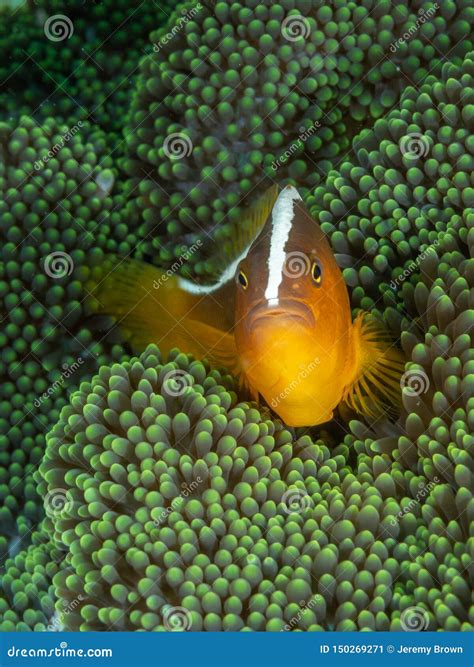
282, 323
293, 326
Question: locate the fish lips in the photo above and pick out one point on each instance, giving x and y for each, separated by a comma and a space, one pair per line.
285, 311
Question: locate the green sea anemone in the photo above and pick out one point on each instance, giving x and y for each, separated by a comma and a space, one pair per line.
188, 510
74, 62
27, 598
57, 218
235, 96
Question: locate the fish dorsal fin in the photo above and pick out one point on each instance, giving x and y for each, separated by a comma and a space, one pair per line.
149, 306
231, 250
379, 366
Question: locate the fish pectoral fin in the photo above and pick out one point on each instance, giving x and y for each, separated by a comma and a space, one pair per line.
150, 307
379, 365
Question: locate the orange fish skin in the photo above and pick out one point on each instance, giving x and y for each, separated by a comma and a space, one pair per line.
293, 330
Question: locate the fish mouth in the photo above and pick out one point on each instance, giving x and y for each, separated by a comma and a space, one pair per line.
286, 310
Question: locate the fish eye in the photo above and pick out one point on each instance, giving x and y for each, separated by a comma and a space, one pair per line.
316, 273
243, 280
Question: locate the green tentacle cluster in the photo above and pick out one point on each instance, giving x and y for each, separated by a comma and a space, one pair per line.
235, 96
26, 586
408, 190
57, 218
189, 510
77, 61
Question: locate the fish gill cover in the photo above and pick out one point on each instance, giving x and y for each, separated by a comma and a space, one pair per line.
146, 493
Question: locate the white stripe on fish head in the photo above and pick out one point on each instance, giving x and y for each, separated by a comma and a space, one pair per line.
282, 221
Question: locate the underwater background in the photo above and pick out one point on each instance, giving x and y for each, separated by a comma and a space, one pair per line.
145, 129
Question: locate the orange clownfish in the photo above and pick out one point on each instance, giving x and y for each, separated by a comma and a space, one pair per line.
278, 317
